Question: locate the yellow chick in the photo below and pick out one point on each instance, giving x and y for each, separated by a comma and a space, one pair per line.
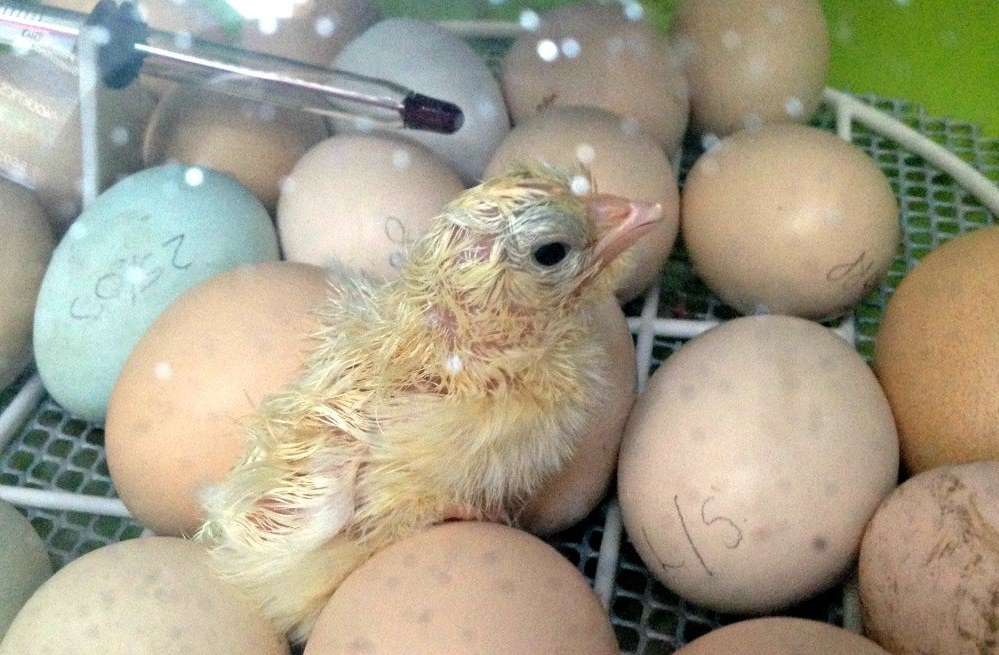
450, 393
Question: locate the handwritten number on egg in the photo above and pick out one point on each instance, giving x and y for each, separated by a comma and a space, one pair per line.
396, 232
731, 537
852, 273
177, 242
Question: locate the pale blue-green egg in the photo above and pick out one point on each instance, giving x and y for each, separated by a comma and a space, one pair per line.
24, 564
126, 258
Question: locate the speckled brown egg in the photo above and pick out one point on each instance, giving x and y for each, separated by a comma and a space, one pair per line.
173, 424
749, 62
143, 596
570, 496
789, 220
464, 588
622, 161
256, 143
781, 636
752, 463
929, 564
599, 56
937, 354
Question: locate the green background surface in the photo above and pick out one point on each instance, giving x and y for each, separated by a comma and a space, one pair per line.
942, 54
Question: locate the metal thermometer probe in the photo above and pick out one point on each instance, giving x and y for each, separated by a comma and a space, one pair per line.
128, 46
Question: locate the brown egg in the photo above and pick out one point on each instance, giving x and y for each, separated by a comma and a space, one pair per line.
929, 564
140, 597
257, 144
937, 354
361, 201
464, 588
750, 62
789, 220
622, 162
781, 636
753, 461
570, 496
25, 247
599, 56
173, 423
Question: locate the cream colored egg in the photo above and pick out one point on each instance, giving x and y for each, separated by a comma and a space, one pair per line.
24, 564
570, 496
752, 463
622, 162
781, 636
256, 143
361, 201
25, 247
789, 220
154, 595
929, 565
600, 56
175, 419
464, 588
749, 62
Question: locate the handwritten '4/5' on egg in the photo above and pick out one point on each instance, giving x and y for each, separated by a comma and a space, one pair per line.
752, 463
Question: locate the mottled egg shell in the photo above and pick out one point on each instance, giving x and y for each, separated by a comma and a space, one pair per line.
465, 588
781, 636
789, 220
750, 62
315, 32
136, 248
434, 61
622, 161
937, 354
753, 461
175, 417
929, 564
25, 247
24, 564
362, 200
153, 595
256, 143
571, 495
599, 56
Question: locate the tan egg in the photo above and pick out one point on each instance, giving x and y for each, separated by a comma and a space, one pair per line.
464, 588
789, 220
361, 201
752, 463
929, 565
599, 56
781, 636
173, 424
25, 247
153, 595
937, 354
256, 143
622, 162
571, 495
749, 62
24, 564
315, 32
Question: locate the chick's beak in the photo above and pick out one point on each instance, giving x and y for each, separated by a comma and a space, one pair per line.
620, 223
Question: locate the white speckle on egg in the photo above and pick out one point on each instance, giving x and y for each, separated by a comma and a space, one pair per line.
183, 40
194, 176
454, 363
634, 10
287, 184
163, 371
401, 159
585, 153
731, 39
77, 231
794, 107
570, 48
710, 141
325, 26
487, 109
547, 50
529, 20
135, 276
119, 136
267, 25
579, 185
630, 126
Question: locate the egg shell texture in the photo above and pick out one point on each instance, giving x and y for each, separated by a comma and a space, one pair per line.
435, 62
136, 248
752, 463
781, 636
175, 417
620, 160
150, 595
598, 56
789, 220
929, 565
463, 588
24, 564
937, 354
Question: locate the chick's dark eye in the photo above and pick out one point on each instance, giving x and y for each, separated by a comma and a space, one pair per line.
551, 254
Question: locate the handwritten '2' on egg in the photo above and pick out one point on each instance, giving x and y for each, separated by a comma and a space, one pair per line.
126, 258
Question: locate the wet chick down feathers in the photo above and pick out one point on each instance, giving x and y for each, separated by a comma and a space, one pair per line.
451, 392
